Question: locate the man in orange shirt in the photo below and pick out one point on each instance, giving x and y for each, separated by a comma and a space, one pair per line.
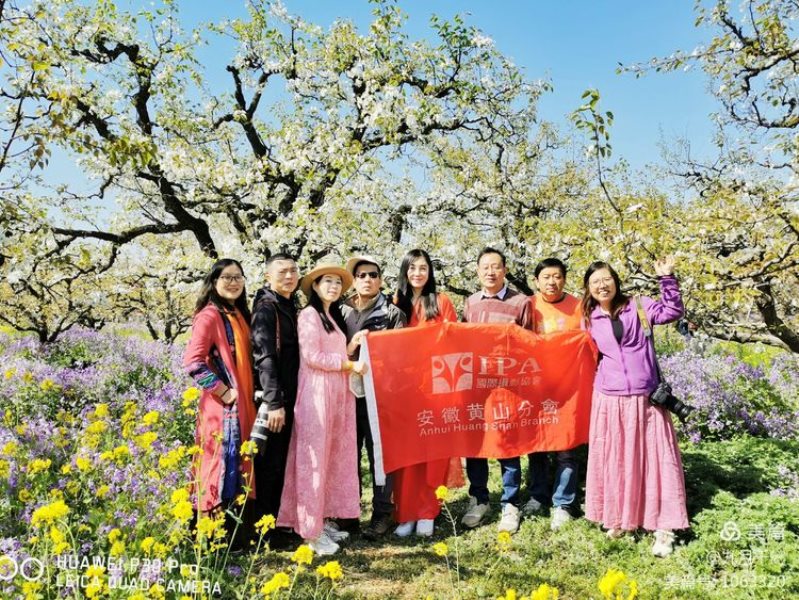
553, 310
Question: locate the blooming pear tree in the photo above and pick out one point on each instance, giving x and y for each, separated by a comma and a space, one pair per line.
300, 153
742, 228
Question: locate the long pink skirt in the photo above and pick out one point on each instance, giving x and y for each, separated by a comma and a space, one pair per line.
635, 475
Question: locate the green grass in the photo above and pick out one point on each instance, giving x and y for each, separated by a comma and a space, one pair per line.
727, 482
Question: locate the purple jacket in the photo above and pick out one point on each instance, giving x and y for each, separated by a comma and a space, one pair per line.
629, 368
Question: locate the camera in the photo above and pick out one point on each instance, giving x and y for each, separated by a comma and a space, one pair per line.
260, 431
662, 396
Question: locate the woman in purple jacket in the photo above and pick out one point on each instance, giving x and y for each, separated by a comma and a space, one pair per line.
635, 475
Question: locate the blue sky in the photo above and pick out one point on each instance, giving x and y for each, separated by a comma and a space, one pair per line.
577, 44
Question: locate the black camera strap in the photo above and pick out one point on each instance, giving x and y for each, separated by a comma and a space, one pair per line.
648, 332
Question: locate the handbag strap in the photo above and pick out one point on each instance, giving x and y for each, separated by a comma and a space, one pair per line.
648, 333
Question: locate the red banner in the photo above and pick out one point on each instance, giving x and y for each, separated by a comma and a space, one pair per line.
476, 390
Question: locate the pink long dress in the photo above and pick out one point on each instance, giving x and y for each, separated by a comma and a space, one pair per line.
321, 469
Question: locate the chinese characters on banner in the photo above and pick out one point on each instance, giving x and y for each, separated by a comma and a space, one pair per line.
479, 390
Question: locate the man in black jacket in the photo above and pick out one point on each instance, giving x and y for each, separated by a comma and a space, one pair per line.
369, 309
276, 357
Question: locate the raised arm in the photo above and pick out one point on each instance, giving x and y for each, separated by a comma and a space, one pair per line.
669, 307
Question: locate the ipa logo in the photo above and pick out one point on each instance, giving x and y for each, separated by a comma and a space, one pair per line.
453, 372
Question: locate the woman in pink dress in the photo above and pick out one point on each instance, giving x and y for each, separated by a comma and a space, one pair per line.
218, 358
321, 470
416, 505
635, 475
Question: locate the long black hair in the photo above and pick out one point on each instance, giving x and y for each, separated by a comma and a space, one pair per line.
429, 297
618, 302
335, 309
208, 290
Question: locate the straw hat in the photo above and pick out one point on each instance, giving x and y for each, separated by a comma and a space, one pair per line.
360, 258
324, 269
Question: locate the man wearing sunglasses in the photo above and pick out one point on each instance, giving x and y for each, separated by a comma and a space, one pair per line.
369, 309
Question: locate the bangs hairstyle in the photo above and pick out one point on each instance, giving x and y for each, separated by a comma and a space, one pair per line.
315, 302
588, 303
208, 293
429, 297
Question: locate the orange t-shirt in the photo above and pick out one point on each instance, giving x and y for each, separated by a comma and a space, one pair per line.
550, 317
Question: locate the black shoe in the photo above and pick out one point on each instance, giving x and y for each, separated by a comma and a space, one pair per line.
378, 527
283, 538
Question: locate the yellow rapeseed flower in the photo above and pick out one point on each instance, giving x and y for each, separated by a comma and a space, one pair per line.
97, 428
613, 584
31, 590
442, 493
9, 448
47, 385
151, 418
106, 455
117, 548
503, 541
66, 469
97, 571
49, 513
510, 594
279, 580
171, 458
38, 465
545, 592
183, 511
9, 373
102, 491
21, 429
248, 448
147, 544
303, 555
264, 524
114, 535
441, 549
101, 410
191, 394
5, 469
83, 463
331, 570
25, 495
146, 439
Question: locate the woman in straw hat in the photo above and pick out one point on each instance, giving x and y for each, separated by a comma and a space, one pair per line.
321, 470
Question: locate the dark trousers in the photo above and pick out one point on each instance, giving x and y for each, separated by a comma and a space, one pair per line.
381, 494
270, 469
477, 471
564, 489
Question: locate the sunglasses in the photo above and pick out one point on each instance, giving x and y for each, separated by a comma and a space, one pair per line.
370, 274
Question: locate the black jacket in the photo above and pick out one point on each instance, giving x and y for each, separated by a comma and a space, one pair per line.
276, 366
379, 315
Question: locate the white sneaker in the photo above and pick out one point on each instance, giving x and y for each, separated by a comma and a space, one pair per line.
405, 529
334, 533
560, 516
323, 545
424, 527
664, 543
510, 519
533, 507
475, 513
